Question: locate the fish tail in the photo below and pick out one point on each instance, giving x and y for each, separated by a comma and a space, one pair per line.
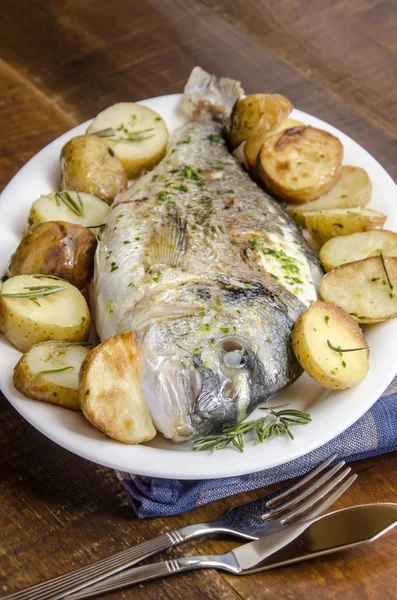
209, 98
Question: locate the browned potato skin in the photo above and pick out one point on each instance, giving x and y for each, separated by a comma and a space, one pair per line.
256, 114
42, 390
254, 143
56, 248
274, 167
89, 165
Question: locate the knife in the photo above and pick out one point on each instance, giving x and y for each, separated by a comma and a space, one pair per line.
340, 530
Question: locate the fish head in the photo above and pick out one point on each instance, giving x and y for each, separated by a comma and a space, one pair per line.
210, 367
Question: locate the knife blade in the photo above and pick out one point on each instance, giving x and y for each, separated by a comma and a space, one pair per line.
339, 530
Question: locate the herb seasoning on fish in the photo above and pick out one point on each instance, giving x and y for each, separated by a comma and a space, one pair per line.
214, 280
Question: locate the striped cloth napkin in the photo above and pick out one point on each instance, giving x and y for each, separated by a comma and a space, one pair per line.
375, 433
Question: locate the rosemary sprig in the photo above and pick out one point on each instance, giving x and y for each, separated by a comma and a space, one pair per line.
133, 136
47, 371
266, 428
66, 198
345, 349
35, 291
386, 271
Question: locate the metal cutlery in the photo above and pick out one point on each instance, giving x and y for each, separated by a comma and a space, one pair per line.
249, 521
307, 539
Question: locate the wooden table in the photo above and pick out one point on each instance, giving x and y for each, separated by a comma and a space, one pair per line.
64, 61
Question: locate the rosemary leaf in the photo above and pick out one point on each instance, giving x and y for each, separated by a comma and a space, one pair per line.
35, 293
47, 371
345, 349
385, 270
65, 344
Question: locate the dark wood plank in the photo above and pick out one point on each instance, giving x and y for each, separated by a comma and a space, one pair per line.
62, 63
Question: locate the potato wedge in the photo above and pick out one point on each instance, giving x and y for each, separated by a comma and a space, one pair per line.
356, 246
362, 289
300, 164
37, 308
89, 165
56, 248
137, 135
56, 206
323, 324
254, 143
110, 393
256, 114
326, 224
353, 189
49, 372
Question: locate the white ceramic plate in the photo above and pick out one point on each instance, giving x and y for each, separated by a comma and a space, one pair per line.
332, 412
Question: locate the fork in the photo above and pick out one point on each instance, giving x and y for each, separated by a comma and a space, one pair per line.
240, 561
248, 521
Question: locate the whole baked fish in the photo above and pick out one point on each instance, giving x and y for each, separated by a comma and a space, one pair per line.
210, 273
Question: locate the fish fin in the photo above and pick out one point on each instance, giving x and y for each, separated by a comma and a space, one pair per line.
206, 97
168, 243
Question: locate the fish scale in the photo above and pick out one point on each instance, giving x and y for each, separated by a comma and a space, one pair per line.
195, 257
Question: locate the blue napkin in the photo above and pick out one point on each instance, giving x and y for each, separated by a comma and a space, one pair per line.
375, 433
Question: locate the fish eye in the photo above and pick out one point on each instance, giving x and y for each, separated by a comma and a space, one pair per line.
232, 354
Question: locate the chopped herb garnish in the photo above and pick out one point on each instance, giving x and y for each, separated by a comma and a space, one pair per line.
157, 119
216, 139
126, 242
114, 267
205, 327
326, 319
162, 195
343, 364
374, 279
186, 140
196, 351
110, 307
224, 329
343, 196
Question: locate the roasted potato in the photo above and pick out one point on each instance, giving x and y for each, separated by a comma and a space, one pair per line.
37, 308
56, 248
300, 164
74, 207
318, 330
326, 224
254, 143
137, 135
356, 246
353, 189
49, 372
89, 165
256, 114
110, 392
364, 288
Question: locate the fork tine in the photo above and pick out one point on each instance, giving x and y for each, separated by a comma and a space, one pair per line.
275, 512
302, 481
321, 493
318, 510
